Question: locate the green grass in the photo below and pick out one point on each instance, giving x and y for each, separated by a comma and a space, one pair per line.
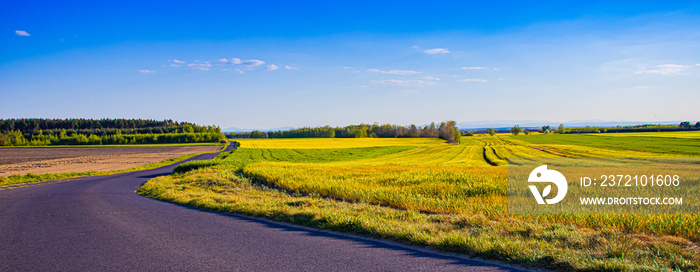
314, 155
333, 143
14, 181
529, 243
668, 134
675, 146
443, 196
244, 156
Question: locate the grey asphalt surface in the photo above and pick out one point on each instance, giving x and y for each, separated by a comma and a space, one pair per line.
99, 223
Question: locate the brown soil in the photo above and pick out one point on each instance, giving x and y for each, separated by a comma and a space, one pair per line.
82, 159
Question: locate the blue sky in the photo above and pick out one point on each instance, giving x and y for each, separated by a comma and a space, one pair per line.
264, 64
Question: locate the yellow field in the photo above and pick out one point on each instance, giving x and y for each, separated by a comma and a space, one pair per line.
433, 176
443, 155
327, 143
569, 150
454, 197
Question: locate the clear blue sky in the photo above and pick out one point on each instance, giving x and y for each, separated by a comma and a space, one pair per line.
264, 64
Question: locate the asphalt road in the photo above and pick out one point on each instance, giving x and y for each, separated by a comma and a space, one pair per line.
100, 224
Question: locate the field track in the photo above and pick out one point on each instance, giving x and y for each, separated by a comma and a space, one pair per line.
99, 223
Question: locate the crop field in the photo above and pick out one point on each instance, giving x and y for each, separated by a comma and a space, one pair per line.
325, 143
671, 134
452, 197
20, 161
679, 144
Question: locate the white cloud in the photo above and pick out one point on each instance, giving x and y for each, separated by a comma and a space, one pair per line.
290, 67
239, 62
199, 66
241, 65
251, 63
473, 68
437, 51
409, 91
394, 72
22, 33
473, 80
429, 78
405, 83
500, 78
145, 71
665, 69
400, 72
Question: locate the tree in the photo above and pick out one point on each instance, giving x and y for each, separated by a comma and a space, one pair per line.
432, 131
15, 138
449, 132
516, 130
560, 129
413, 131
457, 135
526, 132
546, 129
685, 124
257, 134
697, 125
492, 131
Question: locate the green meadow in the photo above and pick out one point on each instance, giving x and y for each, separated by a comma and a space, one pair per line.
444, 196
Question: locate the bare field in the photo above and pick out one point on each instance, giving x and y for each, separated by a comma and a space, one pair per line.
82, 159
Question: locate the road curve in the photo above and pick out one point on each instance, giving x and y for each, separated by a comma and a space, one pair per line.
99, 223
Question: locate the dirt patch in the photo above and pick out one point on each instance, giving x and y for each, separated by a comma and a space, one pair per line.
82, 159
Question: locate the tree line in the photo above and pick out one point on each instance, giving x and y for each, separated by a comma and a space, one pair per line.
105, 126
683, 126
445, 130
37, 132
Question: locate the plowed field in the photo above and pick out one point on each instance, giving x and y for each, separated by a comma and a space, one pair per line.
83, 159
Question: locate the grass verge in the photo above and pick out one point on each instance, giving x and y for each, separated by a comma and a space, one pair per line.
529, 243
15, 181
